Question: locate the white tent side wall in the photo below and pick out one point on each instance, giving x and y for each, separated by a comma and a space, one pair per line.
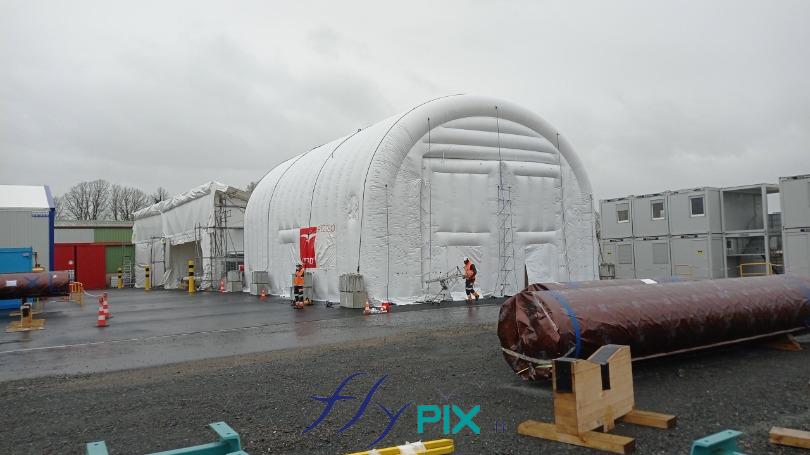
170, 233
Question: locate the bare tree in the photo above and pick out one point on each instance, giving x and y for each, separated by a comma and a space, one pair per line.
87, 200
161, 194
99, 199
76, 202
124, 201
59, 207
250, 187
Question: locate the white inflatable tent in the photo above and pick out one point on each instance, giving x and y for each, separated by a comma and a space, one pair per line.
409, 197
205, 224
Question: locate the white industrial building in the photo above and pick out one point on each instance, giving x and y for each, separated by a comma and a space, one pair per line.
406, 199
27, 216
204, 224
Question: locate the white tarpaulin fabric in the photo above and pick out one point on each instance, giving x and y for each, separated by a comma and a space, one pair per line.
407, 198
170, 233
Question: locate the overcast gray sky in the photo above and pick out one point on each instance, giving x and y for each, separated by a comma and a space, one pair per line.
653, 95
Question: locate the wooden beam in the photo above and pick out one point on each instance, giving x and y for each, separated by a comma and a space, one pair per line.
785, 342
788, 437
650, 419
592, 439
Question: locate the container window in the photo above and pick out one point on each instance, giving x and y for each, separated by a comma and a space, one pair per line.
625, 253
623, 212
658, 210
696, 206
660, 253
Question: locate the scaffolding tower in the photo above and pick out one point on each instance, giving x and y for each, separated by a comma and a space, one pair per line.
222, 256
506, 243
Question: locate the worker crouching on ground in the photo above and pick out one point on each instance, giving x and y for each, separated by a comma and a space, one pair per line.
469, 280
298, 287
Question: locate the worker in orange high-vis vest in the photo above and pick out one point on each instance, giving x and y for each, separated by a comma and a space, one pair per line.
469, 280
298, 286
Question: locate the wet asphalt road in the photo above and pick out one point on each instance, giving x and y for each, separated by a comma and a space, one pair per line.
160, 327
256, 365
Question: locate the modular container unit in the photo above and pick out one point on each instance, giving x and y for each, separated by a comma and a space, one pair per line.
752, 248
616, 218
697, 256
15, 260
650, 216
651, 257
87, 260
26, 220
745, 208
619, 252
794, 196
797, 251
695, 211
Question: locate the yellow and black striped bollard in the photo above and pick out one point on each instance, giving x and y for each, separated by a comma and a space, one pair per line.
147, 282
191, 288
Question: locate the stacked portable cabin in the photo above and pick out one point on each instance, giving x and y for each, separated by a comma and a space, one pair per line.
795, 204
617, 236
696, 227
651, 236
751, 245
672, 233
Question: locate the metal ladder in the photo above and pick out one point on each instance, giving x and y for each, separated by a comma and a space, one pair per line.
126, 272
506, 243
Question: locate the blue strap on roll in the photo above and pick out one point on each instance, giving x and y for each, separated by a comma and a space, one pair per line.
574, 322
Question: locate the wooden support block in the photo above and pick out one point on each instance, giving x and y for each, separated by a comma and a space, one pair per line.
17, 326
788, 437
592, 439
650, 419
784, 343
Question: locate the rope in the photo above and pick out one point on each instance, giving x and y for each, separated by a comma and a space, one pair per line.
545, 363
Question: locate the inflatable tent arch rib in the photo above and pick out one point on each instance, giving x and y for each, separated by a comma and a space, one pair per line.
408, 197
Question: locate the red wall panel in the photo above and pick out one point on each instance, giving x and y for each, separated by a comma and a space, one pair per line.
89, 262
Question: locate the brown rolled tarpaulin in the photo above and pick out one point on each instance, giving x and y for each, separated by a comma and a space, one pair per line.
33, 284
556, 285
540, 324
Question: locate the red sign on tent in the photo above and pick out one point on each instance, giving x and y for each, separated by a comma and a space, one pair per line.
308, 235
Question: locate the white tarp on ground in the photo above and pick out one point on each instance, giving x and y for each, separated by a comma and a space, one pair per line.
170, 233
407, 198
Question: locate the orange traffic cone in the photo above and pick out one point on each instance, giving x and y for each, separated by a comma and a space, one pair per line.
386, 306
263, 296
102, 318
106, 305
366, 308
222, 285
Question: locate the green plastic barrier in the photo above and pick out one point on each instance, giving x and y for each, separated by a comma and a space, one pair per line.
228, 444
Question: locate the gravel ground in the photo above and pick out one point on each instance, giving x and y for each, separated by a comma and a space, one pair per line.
266, 399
